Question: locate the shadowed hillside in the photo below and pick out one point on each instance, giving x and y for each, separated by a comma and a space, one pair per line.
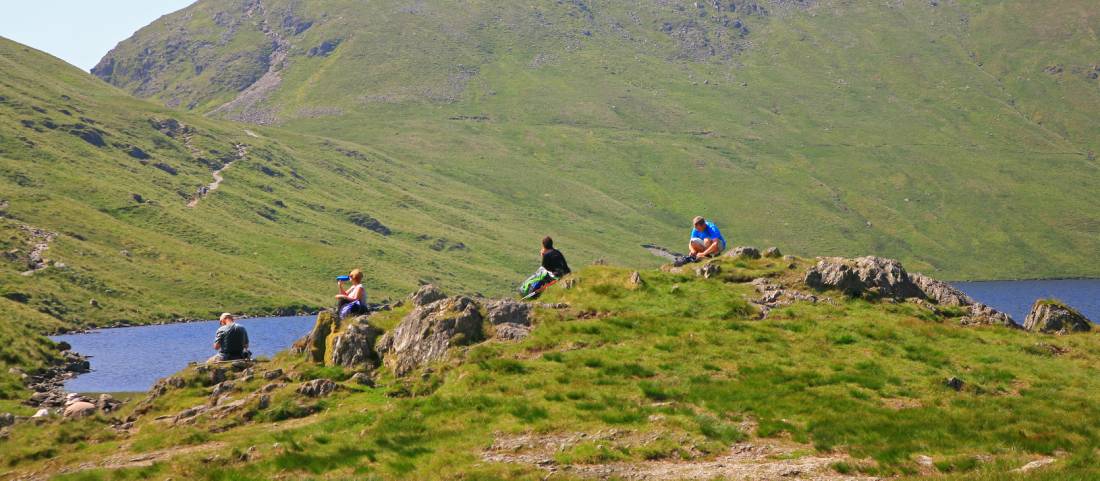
955, 135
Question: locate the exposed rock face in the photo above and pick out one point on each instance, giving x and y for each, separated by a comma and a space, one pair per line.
317, 388
427, 294
943, 293
854, 277
746, 252
79, 409
507, 311
708, 270
887, 278
428, 331
355, 346
1053, 317
316, 342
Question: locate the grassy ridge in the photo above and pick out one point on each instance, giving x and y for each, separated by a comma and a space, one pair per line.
944, 135
679, 364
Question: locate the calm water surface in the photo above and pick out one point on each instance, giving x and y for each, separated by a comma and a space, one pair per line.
133, 358
1016, 297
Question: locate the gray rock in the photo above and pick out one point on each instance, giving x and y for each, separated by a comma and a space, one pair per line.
264, 401
954, 383
983, 315
636, 280
773, 252
107, 403
362, 379
355, 346
6, 419
941, 292
317, 388
273, 374
79, 409
41, 413
708, 270
1053, 317
427, 294
511, 332
507, 311
222, 388
425, 334
864, 275
744, 252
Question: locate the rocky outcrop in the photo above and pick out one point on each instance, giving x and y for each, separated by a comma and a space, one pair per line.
744, 252
317, 388
354, 347
941, 292
317, 340
427, 294
878, 276
425, 334
886, 278
1053, 317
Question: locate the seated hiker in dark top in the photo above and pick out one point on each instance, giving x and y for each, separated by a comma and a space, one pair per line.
231, 340
552, 259
553, 268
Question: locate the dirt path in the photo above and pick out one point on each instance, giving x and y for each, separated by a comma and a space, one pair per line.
242, 151
743, 461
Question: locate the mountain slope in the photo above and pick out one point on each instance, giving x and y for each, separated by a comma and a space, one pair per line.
955, 136
108, 215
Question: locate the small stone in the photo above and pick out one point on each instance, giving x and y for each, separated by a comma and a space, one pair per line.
954, 383
744, 252
362, 379
708, 270
6, 419
636, 280
317, 388
773, 252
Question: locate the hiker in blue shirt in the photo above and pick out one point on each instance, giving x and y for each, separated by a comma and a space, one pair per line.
706, 239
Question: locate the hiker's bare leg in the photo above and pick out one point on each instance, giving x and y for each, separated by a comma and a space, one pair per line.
696, 248
713, 247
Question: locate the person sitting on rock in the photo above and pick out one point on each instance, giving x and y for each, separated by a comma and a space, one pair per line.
352, 301
706, 239
553, 267
231, 340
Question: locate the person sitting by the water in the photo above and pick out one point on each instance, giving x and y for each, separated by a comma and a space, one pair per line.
352, 301
706, 239
231, 340
553, 267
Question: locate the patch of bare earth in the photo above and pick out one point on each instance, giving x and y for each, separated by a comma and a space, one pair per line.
743, 461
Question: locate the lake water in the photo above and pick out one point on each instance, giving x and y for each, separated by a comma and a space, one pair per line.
1015, 297
133, 358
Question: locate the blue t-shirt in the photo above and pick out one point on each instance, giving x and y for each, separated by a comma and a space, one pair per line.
711, 232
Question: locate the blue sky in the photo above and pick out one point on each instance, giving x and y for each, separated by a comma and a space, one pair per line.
79, 31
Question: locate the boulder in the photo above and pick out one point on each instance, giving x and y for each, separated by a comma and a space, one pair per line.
317, 388
1054, 317
362, 379
635, 280
511, 332
427, 294
107, 403
425, 334
744, 252
855, 277
6, 419
317, 340
41, 413
507, 311
79, 409
273, 374
983, 315
708, 270
941, 292
773, 253
354, 347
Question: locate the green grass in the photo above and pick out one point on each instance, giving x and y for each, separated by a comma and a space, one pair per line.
929, 133
679, 369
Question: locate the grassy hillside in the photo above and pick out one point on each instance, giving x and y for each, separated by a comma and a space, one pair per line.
956, 136
673, 375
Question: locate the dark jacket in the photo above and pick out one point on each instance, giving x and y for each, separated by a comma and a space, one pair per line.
554, 262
